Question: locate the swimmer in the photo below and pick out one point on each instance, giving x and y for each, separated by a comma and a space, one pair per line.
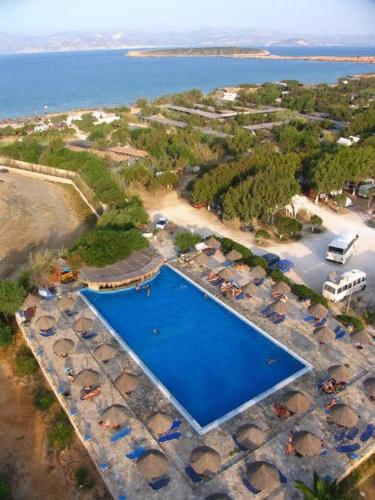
271, 361
155, 331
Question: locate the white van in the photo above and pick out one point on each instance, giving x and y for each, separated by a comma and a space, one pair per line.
337, 287
340, 249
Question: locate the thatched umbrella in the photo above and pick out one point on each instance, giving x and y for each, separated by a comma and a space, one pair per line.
257, 273
63, 347
66, 303
341, 373
126, 383
159, 423
306, 443
115, 415
233, 255
32, 301
250, 436
324, 334
250, 289
281, 288
82, 324
213, 243
45, 323
318, 311
87, 377
152, 464
297, 402
227, 274
279, 307
219, 257
205, 460
343, 415
362, 337
105, 352
263, 475
201, 259
369, 385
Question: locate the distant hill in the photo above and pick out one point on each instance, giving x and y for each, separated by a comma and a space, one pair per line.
199, 51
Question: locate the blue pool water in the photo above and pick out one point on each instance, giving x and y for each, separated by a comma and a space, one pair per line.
208, 359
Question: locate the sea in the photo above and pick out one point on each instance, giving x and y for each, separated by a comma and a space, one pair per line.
31, 84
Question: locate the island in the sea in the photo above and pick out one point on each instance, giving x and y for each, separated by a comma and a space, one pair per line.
244, 53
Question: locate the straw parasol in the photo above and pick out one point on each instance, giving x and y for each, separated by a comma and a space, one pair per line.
219, 257
159, 423
227, 274
87, 377
362, 337
105, 352
115, 415
46, 323
318, 311
343, 415
369, 385
341, 373
297, 402
66, 303
250, 289
257, 273
205, 460
250, 436
82, 324
63, 347
263, 475
126, 383
31, 301
213, 243
306, 443
324, 334
233, 255
201, 259
279, 307
152, 464
281, 288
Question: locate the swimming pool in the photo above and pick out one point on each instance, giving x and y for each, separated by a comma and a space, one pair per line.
208, 360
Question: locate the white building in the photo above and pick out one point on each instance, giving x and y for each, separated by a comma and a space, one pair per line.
229, 96
103, 117
348, 141
41, 127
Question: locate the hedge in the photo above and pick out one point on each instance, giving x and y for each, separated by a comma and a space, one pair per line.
307, 293
347, 319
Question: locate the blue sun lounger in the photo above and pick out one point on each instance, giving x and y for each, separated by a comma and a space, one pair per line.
103, 466
73, 412
352, 433
88, 336
354, 456
320, 323
259, 282
175, 425
367, 433
48, 333
120, 434
339, 436
122, 497
283, 479
170, 437
308, 318
192, 474
250, 487
279, 319
238, 445
159, 483
340, 334
40, 352
135, 454
348, 448
87, 438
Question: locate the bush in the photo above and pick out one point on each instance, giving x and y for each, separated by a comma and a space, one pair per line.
316, 220
24, 280
227, 245
278, 276
43, 399
185, 240
286, 226
83, 479
5, 490
262, 234
60, 431
26, 364
296, 237
256, 260
307, 293
5, 335
132, 215
348, 320
11, 297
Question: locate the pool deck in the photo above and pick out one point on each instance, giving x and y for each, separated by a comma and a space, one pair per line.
122, 476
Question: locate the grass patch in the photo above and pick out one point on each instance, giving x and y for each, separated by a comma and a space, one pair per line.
60, 432
83, 479
26, 364
43, 399
6, 335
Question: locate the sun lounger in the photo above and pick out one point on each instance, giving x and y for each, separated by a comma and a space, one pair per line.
73, 412
354, 456
87, 438
352, 433
175, 425
348, 448
122, 497
159, 483
367, 433
88, 336
269, 314
283, 479
103, 466
241, 296
265, 309
279, 319
31, 336
323, 452
340, 334
48, 333
120, 434
337, 329
259, 282
170, 437
194, 476
250, 487
320, 323
40, 352
308, 318
136, 453
339, 436
238, 445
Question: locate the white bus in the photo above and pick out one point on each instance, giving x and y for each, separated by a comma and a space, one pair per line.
338, 287
340, 249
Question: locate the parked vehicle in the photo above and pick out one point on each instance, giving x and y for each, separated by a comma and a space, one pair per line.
161, 223
271, 258
283, 265
340, 249
366, 190
337, 287
199, 205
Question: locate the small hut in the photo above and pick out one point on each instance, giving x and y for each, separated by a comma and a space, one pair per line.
250, 436
257, 273
369, 385
297, 402
324, 334
233, 255
31, 301
82, 324
341, 373
343, 415
66, 303
152, 464
45, 323
307, 444
280, 288
279, 307
205, 460
213, 243
318, 311
126, 383
201, 259
115, 415
362, 337
86, 378
227, 274
159, 423
63, 347
250, 289
105, 352
263, 475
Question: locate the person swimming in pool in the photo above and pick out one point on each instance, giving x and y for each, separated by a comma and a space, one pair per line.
155, 331
271, 361
148, 290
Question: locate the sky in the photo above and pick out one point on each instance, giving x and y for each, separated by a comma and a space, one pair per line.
330, 17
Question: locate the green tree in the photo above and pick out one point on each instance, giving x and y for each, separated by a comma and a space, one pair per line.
316, 221
43, 399
60, 432
322, 489
26, 364
186, 240
5, 335
132, 215
287, 226
12, 296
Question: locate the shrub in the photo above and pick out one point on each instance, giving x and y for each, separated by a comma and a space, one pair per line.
307, 293
296, 237
278, 276
24, 280
43, 399
83, 479
316, 220
185, 240
227, 245
132, 215
5, 335
26, 364
256, 260
262, 234
11, 297
5, 490
287, 225
347, 320
60, 431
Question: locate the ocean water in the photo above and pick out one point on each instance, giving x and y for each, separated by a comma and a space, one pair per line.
208, 359
71, 80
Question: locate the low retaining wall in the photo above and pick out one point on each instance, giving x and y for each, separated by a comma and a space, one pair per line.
54, 175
